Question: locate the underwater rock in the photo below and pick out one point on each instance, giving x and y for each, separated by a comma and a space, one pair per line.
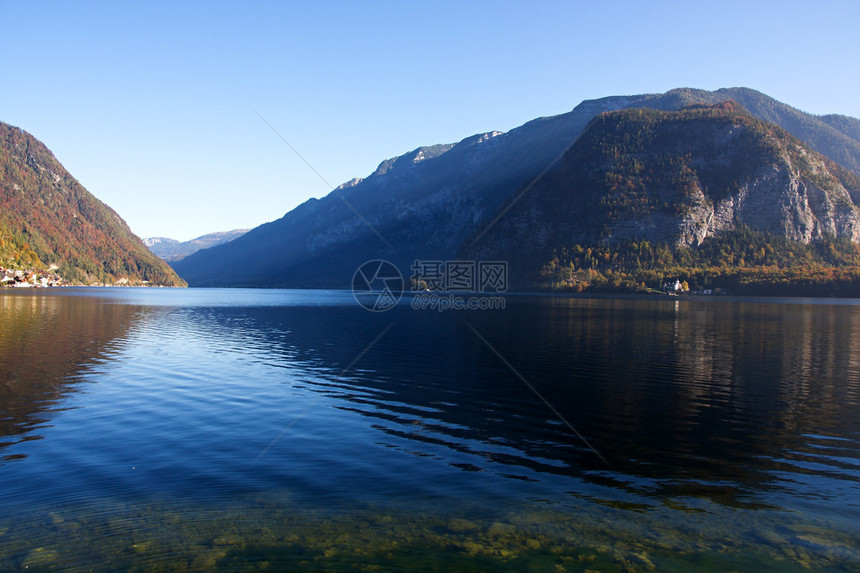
501, 529
227, 539
461, 525
41, 557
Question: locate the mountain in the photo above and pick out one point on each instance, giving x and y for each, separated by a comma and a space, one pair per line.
427, 203
675, 178
834, 136
48, 218
172, 250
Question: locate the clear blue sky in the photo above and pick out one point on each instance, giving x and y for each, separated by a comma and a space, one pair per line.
151, 105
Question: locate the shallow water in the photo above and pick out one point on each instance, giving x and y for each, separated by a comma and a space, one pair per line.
166, 429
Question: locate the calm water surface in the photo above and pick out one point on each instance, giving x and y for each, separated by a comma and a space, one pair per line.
165, 430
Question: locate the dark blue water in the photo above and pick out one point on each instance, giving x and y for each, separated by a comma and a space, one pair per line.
163, 429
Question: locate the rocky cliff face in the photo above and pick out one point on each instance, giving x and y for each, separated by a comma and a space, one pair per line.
780, 199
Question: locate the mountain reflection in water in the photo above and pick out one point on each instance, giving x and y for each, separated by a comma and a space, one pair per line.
47, 344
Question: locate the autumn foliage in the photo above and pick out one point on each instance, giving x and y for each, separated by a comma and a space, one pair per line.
47, 217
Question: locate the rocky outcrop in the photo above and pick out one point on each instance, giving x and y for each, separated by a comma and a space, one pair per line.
781, 200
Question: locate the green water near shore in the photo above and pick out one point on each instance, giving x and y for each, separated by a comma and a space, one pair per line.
250, 535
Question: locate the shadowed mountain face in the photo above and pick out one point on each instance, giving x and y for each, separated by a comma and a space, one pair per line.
172, 250
429, 203
47, 217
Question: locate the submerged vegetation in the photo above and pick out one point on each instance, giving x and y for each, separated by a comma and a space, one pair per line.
272, 536
742, 261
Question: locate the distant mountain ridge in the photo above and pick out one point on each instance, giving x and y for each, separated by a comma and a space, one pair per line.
48, 218
834, 136
172, 250
427, 203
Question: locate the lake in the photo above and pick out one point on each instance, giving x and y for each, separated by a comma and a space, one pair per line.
229, 429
